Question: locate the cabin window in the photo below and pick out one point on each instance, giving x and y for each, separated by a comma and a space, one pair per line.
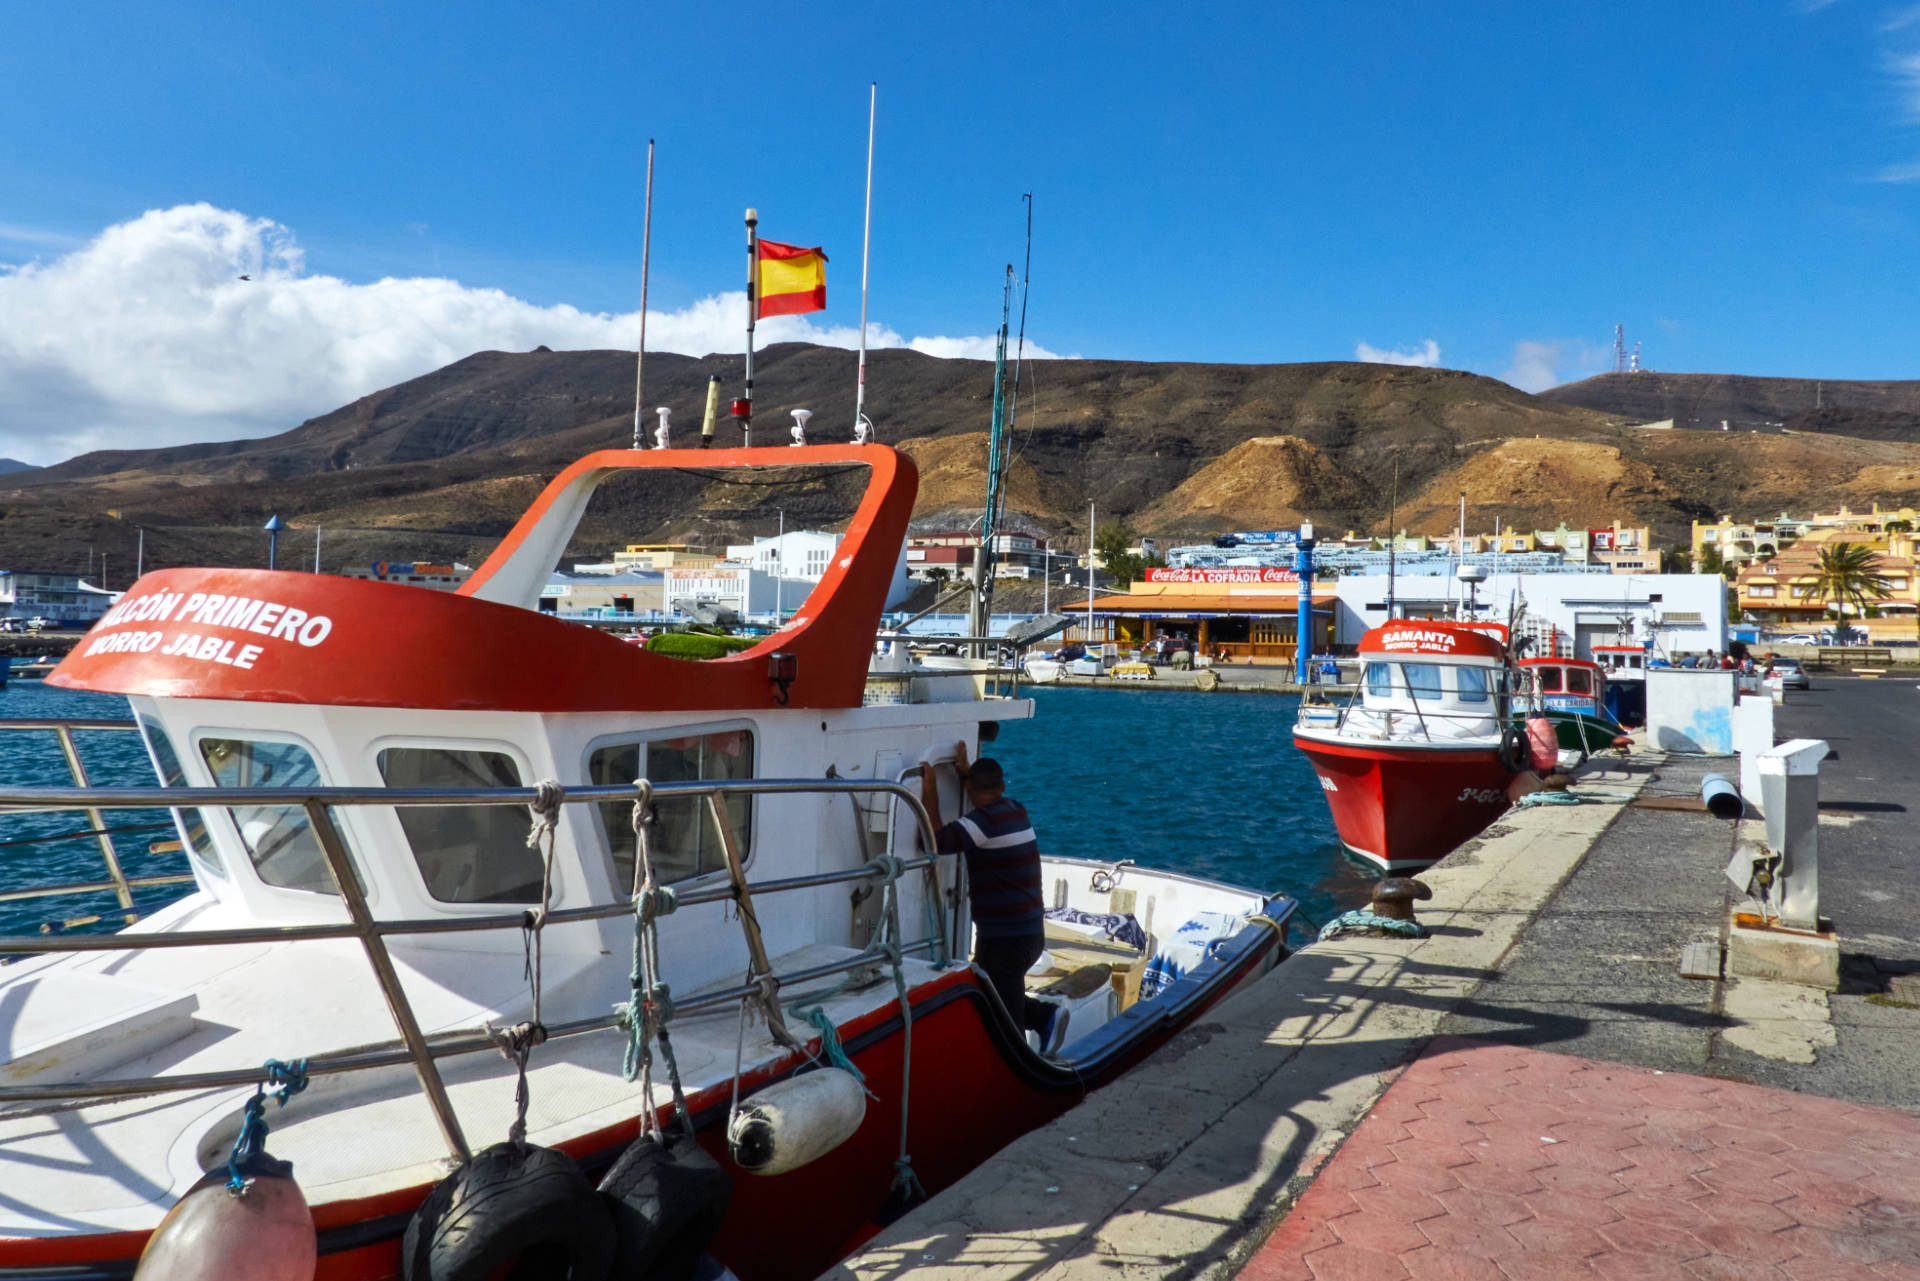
1579, 681
1548, 678
192, 824
1424, 680
278, 839
1473, 684
1380, 679
686, 843
465, 853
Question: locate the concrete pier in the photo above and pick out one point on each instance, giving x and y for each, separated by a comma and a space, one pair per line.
1552, 1085
1181, 1167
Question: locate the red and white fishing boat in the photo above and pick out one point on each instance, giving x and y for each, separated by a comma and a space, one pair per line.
355, 767
1422, 758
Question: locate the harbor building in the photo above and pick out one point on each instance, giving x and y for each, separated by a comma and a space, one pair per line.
1014, 555
65, 600
1785, 589
1739, 542
413, 573
1244, 615
641, 557
625, 597
1680, 613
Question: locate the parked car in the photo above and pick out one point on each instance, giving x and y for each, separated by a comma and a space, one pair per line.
1791, 673
1800, 639
38, 624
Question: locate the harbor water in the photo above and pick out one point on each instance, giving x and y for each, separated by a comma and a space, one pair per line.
1203, 783
1209, 784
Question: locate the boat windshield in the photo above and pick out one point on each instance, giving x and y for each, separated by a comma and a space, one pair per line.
685, 842
466, 853
1579, 681
192, 824
278, 839
1547, 679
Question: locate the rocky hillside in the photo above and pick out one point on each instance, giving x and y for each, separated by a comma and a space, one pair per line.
1873, 410
441, 466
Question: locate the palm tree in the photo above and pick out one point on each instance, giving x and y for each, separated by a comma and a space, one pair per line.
1850, 575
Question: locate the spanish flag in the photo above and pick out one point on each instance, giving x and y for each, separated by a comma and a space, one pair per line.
790, 280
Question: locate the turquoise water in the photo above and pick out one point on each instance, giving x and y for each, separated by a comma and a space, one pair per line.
31, 849
1208, 784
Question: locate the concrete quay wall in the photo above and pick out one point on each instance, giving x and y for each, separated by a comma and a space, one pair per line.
1181, 1167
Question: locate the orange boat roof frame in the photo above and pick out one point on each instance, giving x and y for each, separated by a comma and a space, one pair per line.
188, 633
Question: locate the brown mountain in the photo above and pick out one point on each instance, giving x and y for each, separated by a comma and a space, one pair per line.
439, 467
1872, 410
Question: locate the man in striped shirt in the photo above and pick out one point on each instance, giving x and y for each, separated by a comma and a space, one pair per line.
996, 838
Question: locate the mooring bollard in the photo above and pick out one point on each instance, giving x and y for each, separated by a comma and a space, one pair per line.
1790, 800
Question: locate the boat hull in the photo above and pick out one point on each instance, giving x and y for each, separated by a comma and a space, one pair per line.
1403, 806
975, 1086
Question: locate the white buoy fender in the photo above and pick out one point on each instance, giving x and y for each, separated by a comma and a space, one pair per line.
795, 1121
265, 1234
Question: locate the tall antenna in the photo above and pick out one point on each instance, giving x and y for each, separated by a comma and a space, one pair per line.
1619, 349
1636, 355
866, 254
1393, 535
646, 254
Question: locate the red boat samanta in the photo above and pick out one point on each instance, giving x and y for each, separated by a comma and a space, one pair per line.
1422, 759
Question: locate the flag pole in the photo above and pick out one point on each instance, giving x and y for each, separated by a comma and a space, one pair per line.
753, 285
646, 253
866, 251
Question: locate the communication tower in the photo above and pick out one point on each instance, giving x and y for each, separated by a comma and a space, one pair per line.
1619, 349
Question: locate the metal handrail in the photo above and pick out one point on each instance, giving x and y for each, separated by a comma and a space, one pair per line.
439, 1045
372, 933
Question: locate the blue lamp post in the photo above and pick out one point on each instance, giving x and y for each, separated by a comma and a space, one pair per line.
273, 527
1303, 630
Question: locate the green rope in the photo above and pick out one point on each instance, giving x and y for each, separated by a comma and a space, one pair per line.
1361, 919
287, 1080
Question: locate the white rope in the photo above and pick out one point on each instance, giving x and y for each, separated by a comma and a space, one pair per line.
517, 1042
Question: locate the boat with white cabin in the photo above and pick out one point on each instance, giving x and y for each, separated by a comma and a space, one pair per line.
1422, 757
410, 849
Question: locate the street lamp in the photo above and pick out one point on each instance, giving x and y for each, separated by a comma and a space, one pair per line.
273, 527
1303, 629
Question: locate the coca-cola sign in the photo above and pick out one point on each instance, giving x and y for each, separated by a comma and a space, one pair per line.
1243, 575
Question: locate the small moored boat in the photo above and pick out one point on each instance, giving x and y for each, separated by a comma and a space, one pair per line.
1422, 757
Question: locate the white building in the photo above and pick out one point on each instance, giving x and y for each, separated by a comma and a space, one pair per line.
64, 599
1682, 613
804, 555
799, 553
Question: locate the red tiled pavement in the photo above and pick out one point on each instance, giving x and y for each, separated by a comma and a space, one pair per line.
1497, 1163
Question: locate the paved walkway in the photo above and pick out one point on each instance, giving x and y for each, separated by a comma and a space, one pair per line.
1494, 1162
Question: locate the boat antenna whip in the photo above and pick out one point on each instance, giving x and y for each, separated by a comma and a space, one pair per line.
646, 254
862, 425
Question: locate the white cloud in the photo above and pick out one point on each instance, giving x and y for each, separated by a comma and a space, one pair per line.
147, 335
1426, 355
1538, 365
1907, 172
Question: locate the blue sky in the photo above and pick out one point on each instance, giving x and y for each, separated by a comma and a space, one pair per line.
1500, 182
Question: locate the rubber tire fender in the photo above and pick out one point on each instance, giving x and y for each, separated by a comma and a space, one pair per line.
1513, 753
666, 1202
510, 1201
